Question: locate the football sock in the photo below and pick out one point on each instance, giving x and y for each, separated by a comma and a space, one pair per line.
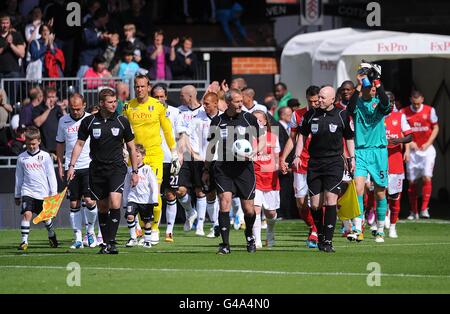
185, 202
132, 228
84, 212
171, 214
25, 230
358, 220
318, 221
147, 234
91, 215
104, 227
381, 213
49, 226
76, 222
330, 221
394, 206
426, 193
210, 208
256, 230
307, 216
138, 224
99, 232
271, 224
224, 225
201, 211
157, 214
249, 222
412, 195
113, 222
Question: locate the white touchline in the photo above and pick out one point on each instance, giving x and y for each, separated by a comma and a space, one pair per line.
239, 271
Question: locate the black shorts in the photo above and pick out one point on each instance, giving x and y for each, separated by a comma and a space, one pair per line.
236, 177
190, 174
212, 180
79, 186
145, 210
169, 182
105, 178
30, 204
325, 174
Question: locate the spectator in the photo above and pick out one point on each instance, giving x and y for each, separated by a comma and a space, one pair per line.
11, 9
137, 15
128, 68
129, 31
68, 36
92, 7
45, 51
17, 145
32, 29
111, 53
270, 102
282, 95
123, 93
12, 48
46, 117
5, 110
285, 118
227, 13
294, 104
95, 39
160, 57
199, 7
239, 83
26, 112
96, 73
185, 65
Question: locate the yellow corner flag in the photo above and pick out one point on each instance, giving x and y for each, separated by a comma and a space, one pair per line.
348, 203
50, 207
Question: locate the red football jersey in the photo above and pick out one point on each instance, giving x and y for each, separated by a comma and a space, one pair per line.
264, 163
295, 123
396, 127
421, 122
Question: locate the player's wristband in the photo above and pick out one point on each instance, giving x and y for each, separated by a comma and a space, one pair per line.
135, 171
71, 165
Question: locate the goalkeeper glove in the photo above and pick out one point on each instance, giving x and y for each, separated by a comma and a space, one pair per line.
175, 164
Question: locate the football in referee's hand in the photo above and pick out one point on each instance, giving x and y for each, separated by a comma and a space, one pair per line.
242, 148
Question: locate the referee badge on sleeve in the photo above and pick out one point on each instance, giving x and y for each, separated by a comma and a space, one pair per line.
96, 133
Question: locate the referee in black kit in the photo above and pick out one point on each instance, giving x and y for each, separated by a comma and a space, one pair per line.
107, 170
328, 126
233, 176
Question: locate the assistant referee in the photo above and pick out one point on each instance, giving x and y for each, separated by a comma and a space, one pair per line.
107, 170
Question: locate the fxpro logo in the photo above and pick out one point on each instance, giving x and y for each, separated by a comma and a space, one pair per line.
74, 17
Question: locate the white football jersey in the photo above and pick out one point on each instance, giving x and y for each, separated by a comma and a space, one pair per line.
35, 175
172, 114
195, 124
256, 106
68, 134
145, 192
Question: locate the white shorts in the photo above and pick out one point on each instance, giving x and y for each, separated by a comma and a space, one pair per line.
395, 183
300, 185
267, 200
421, 163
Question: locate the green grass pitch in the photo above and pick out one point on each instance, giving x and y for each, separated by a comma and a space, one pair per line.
416, 262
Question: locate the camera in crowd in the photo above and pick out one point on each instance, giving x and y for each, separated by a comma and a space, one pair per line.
372, 72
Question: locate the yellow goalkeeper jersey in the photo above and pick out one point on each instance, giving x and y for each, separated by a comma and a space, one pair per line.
147, 119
